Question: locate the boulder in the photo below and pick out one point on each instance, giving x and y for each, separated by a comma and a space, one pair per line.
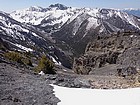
127, 71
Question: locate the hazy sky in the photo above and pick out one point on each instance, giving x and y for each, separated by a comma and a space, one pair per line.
11, 5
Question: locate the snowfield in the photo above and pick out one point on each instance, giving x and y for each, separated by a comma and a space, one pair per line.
79, 96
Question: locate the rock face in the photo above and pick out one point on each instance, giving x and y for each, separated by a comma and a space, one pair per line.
130, 57
121, 49
127, 71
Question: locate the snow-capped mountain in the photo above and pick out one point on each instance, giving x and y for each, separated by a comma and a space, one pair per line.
19, 34
57, 15
23, 37
78, 31
54, 14
76, 26
132, 11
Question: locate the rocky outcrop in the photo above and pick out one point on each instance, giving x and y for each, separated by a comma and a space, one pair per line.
126, 71
130, 56
121, 49
87, 63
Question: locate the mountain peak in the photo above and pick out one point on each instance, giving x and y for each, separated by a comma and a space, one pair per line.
35, 8
58, 6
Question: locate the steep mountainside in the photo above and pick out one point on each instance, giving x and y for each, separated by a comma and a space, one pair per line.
92, 22
25, 37
20, 35
111, 55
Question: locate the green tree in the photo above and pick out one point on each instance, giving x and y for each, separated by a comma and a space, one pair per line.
18, 57
14, 56
45, 65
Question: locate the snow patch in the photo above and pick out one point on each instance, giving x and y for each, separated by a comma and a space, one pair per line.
64, 70
41, 73
92, 23
133, 36
54, 60
78, 21
78, 96
35, 35
23, 47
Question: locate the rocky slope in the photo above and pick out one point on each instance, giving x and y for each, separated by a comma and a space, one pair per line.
27, 38
115, 54
19, 86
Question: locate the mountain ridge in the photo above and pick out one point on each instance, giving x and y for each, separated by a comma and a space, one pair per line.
54, 17
67, 28
27, 38
133, 11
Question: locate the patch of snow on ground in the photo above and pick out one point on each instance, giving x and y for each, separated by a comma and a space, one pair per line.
23, 47
92, 23
41, 73
93, 12
28, 16
79, 96
35, 35
64, 70
54, 60
78, 21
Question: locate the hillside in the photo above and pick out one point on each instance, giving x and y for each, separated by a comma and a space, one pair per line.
27, 38
114, 54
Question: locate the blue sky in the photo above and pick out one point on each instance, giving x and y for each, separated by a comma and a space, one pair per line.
11, 5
